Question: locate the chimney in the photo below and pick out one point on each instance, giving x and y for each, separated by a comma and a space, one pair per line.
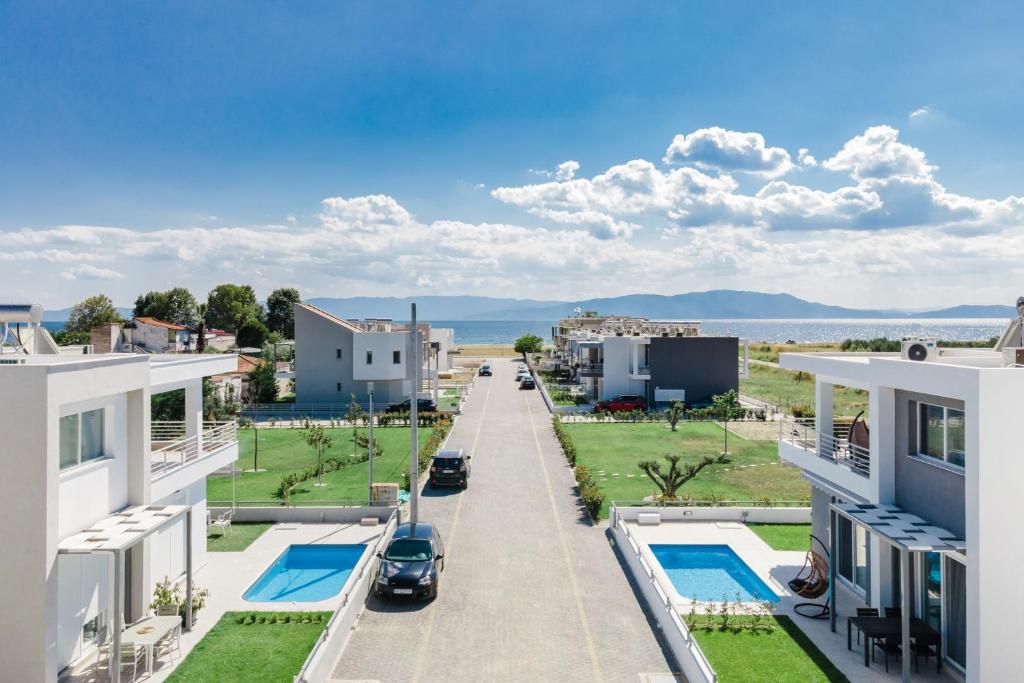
104, 338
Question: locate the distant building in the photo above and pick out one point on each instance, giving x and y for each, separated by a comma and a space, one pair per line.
158, 336
336, 358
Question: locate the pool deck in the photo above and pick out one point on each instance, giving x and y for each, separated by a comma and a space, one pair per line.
229, 574
775, 568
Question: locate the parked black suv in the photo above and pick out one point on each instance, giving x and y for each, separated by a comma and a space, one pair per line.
485, 370
450, 467
411, 564
423, 405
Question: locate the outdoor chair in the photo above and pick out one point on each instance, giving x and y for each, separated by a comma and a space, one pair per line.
168, 645
893, 613
172, 610
812, 582
889, 647
865, 612
927, 647
223, 522
131, 657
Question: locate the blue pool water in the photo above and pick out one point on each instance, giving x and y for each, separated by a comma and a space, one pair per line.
306, 573
706, 572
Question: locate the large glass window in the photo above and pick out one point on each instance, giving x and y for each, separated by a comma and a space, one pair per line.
956, 612
941, 433
931, 590
860, 556
81, 438
852, 553
68, 441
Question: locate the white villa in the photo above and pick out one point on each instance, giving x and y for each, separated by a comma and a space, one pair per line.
102, 502
916, 506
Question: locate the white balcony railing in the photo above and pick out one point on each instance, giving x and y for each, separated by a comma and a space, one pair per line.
171, 449
802, 434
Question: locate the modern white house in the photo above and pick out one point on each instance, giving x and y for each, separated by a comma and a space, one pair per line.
916, 504
102, 503
659, 360
337, 358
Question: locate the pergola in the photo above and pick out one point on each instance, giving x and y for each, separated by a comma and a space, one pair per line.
116, 535
907, 533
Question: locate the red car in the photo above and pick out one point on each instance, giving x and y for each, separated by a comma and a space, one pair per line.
625, 402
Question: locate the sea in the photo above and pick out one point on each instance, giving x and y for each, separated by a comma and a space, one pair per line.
779, 331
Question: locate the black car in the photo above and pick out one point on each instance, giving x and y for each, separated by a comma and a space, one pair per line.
527, 382
450, 467
410, 565
485, 370
423, 405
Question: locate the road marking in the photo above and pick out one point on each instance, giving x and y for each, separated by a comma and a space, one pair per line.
574, 585
428, 629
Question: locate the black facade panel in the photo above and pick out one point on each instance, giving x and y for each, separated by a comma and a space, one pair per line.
703, 366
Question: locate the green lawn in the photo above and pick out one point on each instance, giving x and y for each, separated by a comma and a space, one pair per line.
784, 536
250, 653
283, 450
616, 449
779, 386
240, 537
784, 655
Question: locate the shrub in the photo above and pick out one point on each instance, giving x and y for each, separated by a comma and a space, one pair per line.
801, 410
592, 497
582, 473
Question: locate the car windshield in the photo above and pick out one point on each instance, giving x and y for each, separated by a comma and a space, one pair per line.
408, 550
447, 463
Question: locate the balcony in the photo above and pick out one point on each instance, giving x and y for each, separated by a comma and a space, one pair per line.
641, 372
591, 370
826, 456
177, 460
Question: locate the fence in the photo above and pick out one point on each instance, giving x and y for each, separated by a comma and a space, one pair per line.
802, 433
331, 643
687, 652
310, 512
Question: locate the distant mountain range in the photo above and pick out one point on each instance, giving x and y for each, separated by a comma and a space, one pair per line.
715, 304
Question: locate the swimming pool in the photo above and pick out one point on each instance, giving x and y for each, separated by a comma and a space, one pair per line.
306, 573
707, 572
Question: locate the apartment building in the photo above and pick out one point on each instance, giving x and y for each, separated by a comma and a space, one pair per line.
102, 503
661, 360
337, 358
915, 504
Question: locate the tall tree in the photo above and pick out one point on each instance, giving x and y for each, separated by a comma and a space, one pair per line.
176, 306
230, 306
87, 314
281, 311
727, 407
251, 333
263, 383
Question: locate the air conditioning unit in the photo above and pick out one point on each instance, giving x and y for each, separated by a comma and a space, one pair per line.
919, 349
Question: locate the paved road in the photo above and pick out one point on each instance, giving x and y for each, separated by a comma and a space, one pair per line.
530, 591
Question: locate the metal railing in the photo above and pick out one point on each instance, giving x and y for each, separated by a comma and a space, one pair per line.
692, 647
711, 503
280, 502
802, 433
178, 453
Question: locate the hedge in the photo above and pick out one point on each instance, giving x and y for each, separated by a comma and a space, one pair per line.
590, 494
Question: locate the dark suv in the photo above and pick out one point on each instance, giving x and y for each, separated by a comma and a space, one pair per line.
423, 405
485, 370
411, 564
450, 467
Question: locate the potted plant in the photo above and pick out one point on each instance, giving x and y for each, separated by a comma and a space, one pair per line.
169, 595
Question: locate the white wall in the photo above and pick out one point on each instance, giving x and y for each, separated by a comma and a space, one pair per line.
383, 345
446, 338
616, 379
167, 546
84, 592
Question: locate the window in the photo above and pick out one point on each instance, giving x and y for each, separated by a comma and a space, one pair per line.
91, 628
396, 357
338, 386
852, 553
81, 438
369, 357
337, 353
941, 434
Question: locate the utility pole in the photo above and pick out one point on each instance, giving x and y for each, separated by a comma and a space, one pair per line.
369, 442
414, 444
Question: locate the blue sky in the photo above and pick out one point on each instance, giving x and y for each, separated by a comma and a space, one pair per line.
203, 120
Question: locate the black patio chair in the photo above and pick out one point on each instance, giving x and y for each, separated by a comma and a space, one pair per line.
927, 647
890, 647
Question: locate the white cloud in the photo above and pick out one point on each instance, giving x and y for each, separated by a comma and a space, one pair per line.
920, 112
805, 158
567, 170
89, 272
878, 153
637, 226
729, 150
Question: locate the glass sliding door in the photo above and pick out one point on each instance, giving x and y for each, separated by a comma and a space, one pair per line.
861, 574
955, 604
852, 553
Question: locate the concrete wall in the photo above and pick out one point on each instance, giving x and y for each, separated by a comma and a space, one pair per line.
153, 338
382, 346
702, 366
756, 515
616, 379
925, 488
317, 367
306, 515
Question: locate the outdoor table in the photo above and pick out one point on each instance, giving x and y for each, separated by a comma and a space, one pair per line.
885, 627
139, 633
